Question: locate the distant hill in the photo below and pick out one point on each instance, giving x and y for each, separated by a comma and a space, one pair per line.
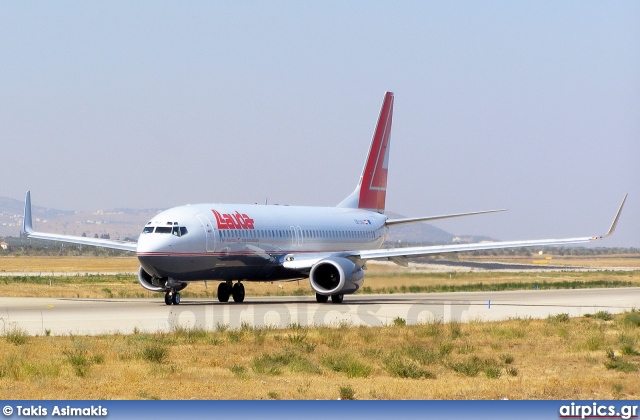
127, 223
117, 223
425, 234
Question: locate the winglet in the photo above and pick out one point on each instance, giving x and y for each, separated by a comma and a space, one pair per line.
615, 219
26, 225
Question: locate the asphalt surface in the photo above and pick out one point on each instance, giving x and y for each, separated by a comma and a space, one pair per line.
57, 316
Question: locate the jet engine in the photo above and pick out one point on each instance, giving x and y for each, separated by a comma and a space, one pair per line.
156, 284
333, 276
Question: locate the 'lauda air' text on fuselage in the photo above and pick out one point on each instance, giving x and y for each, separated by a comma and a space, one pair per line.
233, 221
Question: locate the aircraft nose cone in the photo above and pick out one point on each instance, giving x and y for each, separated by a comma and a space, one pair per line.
151, 243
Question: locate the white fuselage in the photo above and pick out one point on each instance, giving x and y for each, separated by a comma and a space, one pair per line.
250, 242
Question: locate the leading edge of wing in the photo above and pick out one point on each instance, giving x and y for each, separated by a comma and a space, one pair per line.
441, 249
27, 228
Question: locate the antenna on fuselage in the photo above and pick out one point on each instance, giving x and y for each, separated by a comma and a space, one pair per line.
265, 201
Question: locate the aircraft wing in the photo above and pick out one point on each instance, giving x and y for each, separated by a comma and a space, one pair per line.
399, 255
27, 228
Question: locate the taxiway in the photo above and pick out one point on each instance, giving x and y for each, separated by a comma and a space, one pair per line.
39, 316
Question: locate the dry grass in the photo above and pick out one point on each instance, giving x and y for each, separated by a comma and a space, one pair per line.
558, 358
587, 261
126, 286
68, 264
380, 278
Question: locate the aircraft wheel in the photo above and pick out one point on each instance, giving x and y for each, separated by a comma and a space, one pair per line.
321, 298
238, 292
175, 298
223, 292
167, 298
337, 298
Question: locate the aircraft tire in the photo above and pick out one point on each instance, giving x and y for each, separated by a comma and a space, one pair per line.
237, 291
321, 298
223, 292
337, 298
175, 298
167, 298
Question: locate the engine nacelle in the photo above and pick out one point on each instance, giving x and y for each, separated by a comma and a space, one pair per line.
333, 276
149, 282
156, 284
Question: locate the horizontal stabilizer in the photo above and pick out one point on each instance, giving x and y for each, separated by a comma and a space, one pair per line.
392, 222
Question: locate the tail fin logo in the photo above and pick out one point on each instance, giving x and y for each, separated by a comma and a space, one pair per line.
373, 185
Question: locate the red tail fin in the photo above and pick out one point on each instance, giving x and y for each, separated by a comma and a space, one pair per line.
371, 191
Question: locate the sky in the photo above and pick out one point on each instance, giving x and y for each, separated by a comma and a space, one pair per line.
529, 106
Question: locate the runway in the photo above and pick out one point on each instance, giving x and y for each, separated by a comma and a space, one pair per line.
39, 316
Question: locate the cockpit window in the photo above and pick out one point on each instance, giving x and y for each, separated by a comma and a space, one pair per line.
179, 231
174, 230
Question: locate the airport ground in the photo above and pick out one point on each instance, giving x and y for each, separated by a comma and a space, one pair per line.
562, 356
104, 277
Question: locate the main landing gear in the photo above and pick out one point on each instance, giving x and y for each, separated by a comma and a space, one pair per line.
172, 298
325, 298
226, 290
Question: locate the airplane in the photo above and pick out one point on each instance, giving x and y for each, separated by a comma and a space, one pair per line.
248, 242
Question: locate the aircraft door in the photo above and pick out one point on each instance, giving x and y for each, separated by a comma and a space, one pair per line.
296, 236
209, 232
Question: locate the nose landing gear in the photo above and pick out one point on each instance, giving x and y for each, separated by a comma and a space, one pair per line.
172, 298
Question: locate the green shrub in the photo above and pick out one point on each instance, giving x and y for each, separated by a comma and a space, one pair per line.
16, 335
603, 315
632, 318
558, 319
273, 364
493, 372
79, 361
238, 370
398, 366
347, 393
399, 322
507, 359
155, 352
348, 365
